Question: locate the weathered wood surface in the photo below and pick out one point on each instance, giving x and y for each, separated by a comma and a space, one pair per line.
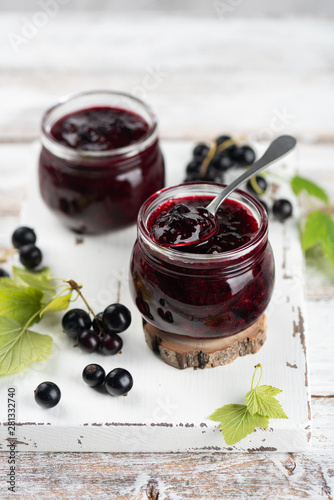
201, 75
181, 476
232, 81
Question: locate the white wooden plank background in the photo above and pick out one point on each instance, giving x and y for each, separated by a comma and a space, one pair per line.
243, 69
256, 8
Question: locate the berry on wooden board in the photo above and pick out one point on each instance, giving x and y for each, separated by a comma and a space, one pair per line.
30, 256
111, 343
117, 318
257, 185
89, 340
75, 322
282, 209
23, 236
93, 375
118, 382
47, 394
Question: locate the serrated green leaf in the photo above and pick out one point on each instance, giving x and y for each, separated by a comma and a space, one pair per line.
37, 279
299, 184
19, 303
260, 400
270, 390
19, 348
319, 229
59, 303
236, 422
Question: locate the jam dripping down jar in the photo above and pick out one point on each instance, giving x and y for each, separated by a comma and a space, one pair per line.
196, 295
100, 160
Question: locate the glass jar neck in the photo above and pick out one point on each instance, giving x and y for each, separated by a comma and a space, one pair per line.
225, 263
76, 102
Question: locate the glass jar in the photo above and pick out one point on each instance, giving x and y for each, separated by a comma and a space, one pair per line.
196, 295
93, 191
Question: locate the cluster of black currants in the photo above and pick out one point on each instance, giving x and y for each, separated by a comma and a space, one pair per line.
101, 334
281, 208
118, 382
24, 239
210, 163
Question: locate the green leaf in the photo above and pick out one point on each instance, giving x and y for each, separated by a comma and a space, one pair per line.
18, 302
261, 400
19, 348
236, 422
59, 303
299, 184
37, 279
319, 229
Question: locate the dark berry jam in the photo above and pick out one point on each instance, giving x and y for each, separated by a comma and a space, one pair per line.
99, 129
213, 289
99, 163
184, 221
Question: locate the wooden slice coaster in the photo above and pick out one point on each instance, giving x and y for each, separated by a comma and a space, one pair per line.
185, 353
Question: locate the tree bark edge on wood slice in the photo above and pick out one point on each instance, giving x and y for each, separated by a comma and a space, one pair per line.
183, 353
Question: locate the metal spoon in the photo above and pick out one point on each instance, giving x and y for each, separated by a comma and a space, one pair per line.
200, 223
277, 149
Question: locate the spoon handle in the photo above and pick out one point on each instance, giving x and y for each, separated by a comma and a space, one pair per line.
277, 149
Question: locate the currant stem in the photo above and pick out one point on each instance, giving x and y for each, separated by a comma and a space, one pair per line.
217, 149
77, 288
256, 368
255, 186
7, 253
208, 158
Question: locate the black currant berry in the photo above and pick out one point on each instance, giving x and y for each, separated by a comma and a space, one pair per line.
243, 156
282, 209
30, 256
47, 394
117, 318
89, 340
222, 162
111, 343
23, 236
93, 375
75, 322
212, 175
222, 138
201, 150
261, 185
118, 382
3, 273
98, 324
193, 167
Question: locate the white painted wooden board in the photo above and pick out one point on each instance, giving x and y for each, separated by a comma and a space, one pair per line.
167, 409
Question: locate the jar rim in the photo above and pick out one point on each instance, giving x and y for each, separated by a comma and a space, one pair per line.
172, 254
62, 151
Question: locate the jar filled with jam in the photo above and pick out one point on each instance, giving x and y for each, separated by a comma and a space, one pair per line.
213, 288
100, 159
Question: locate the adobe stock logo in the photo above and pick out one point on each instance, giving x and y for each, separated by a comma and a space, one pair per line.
30, 27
